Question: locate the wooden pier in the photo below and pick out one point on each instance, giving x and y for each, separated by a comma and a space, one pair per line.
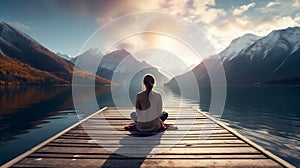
101, 141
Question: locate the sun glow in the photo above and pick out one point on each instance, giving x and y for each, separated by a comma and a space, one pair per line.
152, 40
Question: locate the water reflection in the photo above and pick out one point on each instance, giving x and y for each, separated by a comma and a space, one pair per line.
272, 108
268, 115
31, 114
24, 108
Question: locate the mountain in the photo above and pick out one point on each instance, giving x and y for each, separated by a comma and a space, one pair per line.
237, 45
251, 60
64, 56
13, 71
118, 66
88, 60
25, 58
272, 57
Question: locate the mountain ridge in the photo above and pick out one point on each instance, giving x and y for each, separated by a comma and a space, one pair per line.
274, 57
22, 49
116, 65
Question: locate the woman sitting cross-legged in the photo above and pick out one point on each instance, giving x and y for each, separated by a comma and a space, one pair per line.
149, 115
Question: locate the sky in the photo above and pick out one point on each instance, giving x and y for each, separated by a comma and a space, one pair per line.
65, 25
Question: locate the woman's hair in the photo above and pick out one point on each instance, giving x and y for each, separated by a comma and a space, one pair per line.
149, 82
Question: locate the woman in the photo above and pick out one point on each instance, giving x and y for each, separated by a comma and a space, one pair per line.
149, 115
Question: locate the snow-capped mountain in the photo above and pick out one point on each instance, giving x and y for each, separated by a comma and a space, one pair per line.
42, 65
122, 61
119, 63
88, 60
251, 59
64, 56
285, 41
271, 57
237, 45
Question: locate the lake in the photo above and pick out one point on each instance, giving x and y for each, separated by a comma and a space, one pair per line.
268, 115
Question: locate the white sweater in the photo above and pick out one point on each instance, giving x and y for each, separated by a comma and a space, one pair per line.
149, 120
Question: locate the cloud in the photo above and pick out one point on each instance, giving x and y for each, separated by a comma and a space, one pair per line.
288, 7
202, 12
196, 10
233, 27
270, 4
220, 27
106, 10
19, 25
243, 9
296, 4
297, 18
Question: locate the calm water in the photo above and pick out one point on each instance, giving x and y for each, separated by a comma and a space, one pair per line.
268, 115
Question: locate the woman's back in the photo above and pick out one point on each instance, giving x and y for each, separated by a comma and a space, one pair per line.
143, 102
149, 110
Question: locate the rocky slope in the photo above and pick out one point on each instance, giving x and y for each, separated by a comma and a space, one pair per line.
28, 62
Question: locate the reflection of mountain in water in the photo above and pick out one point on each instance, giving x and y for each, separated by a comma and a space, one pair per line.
24, 108
269, 115
27, 107
32, 114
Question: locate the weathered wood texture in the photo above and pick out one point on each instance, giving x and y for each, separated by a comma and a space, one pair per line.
101, 141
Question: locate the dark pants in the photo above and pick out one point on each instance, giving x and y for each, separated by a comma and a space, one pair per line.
163, 116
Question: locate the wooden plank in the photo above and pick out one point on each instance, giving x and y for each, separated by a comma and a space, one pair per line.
127, 115
178, 132
177, 122
138, 151
100, 125
162, 142
58, 162
119, 128
164, 135
150, 138
181, 142
175, 137
127, 119
176, 156
182, 122
78, 144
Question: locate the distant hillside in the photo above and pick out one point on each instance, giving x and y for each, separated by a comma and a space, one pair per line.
25, 58
272, 59
13, 71
119, 64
